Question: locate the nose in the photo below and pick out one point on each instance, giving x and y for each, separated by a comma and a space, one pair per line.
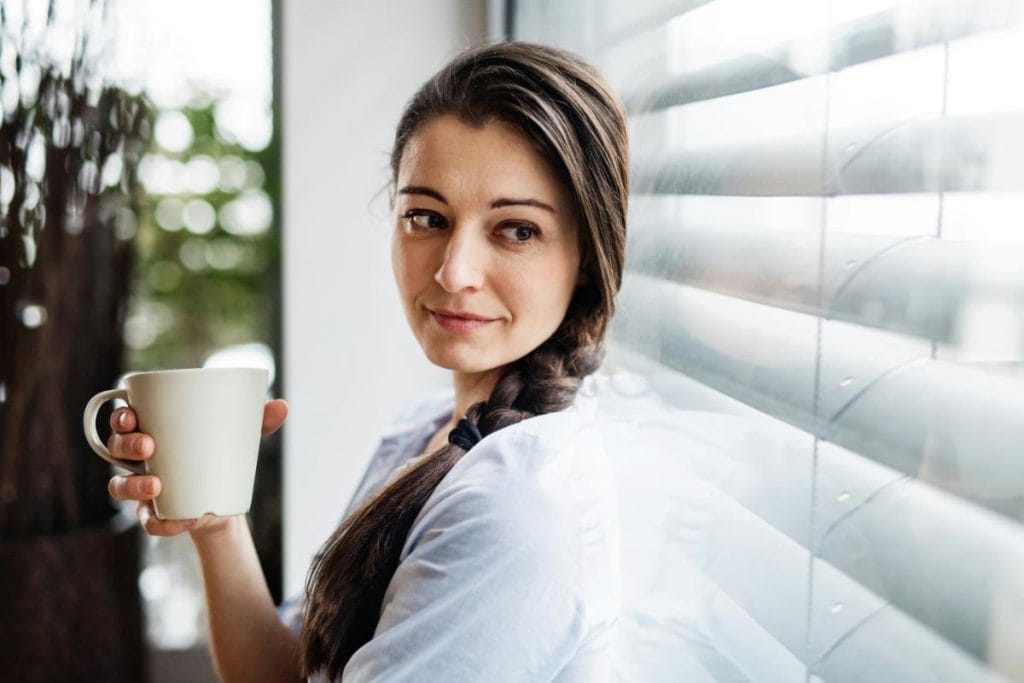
463, 264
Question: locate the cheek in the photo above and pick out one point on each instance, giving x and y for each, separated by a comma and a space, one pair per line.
403, 263
400, 266
542, 298
397, 261
561, 278
413, 268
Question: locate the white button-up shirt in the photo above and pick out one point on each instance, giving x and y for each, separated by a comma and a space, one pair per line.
511, 570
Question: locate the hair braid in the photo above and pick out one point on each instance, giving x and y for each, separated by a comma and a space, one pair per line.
544, 381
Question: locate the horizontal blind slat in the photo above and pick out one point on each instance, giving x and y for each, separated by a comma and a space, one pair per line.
643, 20
864, 39
915, 285
891, 646
935, 558
967, 153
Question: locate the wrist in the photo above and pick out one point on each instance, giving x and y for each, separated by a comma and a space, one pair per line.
212, 529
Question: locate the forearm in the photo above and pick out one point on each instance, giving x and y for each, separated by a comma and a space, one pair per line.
247, 639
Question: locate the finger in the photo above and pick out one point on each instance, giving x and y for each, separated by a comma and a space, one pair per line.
274, 415
154, 526
136, 487
134, 446
123, 420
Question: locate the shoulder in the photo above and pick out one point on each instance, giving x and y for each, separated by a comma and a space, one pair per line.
418, 412
556, 460
537, 460
399, 441
542, 491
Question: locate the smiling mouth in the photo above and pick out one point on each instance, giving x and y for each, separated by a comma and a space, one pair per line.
461, 322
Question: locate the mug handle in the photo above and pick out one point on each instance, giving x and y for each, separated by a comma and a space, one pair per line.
93, 437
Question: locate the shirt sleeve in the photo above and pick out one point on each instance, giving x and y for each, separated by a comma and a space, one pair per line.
395, 446
490, 590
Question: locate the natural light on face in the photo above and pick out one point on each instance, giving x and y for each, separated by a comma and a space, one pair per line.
483, 229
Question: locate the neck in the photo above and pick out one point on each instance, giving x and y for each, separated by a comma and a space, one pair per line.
472, 388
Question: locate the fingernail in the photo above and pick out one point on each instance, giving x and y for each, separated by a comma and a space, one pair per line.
122, 419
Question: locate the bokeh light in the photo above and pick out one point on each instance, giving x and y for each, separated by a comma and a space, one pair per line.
250, 214
173, 131
199, 217
168, 213
202, 174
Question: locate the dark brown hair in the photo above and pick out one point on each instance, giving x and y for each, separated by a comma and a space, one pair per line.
564, 107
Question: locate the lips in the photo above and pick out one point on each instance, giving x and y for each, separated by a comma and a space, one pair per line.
465, 315
459, 321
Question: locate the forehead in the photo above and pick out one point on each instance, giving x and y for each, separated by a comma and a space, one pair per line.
479, 162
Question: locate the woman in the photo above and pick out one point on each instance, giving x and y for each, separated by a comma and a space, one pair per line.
481, 544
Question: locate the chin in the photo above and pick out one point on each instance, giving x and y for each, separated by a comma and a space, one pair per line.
459, 362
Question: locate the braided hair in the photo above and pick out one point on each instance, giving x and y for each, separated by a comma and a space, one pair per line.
564, 107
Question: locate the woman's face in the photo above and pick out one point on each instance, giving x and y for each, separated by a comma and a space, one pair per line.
485, 250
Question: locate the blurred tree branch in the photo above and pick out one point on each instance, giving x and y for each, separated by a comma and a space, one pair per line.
69, 150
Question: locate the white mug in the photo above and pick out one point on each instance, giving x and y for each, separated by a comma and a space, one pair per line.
205, 424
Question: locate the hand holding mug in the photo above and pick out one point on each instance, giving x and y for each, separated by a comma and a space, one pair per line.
191, 437
126, 443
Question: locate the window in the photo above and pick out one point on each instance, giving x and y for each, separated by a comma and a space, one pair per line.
823, 324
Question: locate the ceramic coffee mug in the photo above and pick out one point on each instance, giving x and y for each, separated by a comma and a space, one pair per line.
205, 425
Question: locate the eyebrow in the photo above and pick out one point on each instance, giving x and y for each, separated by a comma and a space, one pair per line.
496, 204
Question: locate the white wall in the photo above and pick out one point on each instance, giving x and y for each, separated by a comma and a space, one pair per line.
349, 360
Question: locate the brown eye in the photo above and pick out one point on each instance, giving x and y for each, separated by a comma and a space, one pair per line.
426, 220
520, 232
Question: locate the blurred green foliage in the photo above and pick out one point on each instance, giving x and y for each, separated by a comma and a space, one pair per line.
199, 287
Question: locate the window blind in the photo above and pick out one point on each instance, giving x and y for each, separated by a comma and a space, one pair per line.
820, 339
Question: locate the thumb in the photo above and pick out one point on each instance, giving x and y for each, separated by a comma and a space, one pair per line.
274, 415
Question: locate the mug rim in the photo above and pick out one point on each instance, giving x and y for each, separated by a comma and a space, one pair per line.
191, 371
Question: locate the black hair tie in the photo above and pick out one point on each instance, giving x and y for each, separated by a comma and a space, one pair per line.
465, 435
